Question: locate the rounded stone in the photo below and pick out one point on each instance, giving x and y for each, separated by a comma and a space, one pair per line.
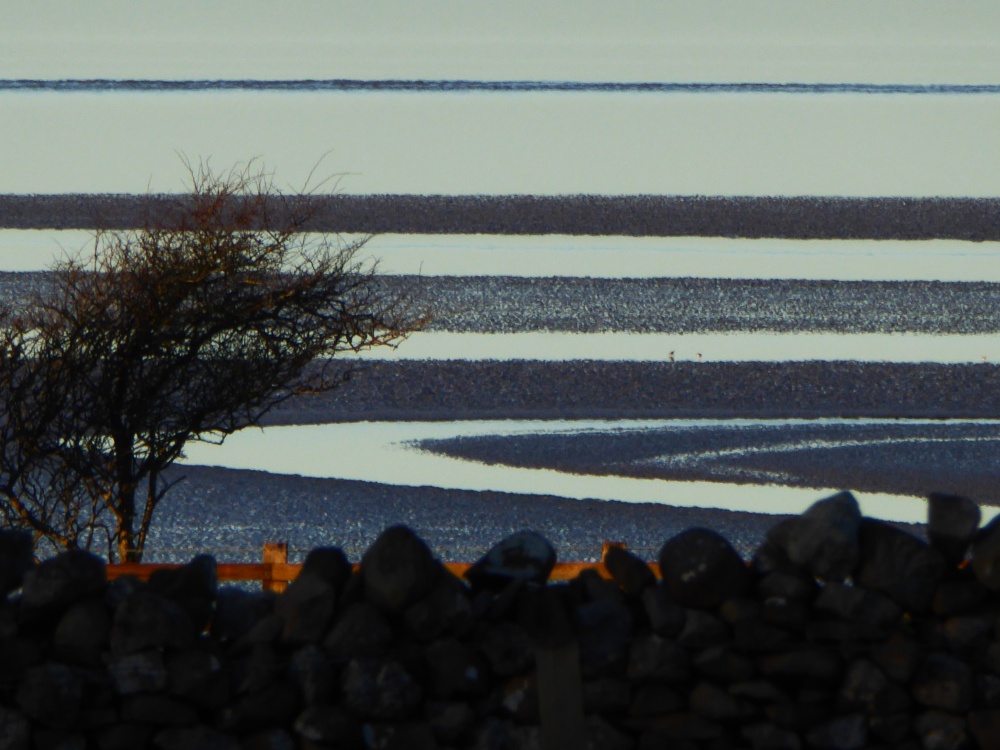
398, 570
54, 584
701, 569
524, 556
952, 523
824, 539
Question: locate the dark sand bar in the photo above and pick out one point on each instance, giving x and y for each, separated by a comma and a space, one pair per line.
588, 389
899, 458
507, 304
233, 512
630, 215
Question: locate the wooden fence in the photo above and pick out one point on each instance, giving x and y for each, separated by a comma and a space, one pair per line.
275, 572
560, 687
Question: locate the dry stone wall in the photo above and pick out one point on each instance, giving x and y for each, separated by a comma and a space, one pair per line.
842, 632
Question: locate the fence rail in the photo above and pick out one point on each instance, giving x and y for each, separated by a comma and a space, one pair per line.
275, 572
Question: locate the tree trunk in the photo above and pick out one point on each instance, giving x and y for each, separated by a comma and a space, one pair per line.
126, 526
124, 457
152, 498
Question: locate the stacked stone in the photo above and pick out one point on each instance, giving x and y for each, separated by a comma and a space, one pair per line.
842, 632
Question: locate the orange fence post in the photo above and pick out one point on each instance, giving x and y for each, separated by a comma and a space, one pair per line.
274, 553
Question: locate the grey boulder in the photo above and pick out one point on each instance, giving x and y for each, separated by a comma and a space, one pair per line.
53, 585
524, 556
398, 570
701, 569
952, 523
824, 539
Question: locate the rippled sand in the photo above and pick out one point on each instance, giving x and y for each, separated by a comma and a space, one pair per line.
897, 459
232, 513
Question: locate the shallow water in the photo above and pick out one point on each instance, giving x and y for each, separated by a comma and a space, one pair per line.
673, 257
615, 257
708, 347
506, 143
733, 143
383, 452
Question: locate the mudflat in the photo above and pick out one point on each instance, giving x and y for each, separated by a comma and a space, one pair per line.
799, 217
587, 389
231, 513
898, 458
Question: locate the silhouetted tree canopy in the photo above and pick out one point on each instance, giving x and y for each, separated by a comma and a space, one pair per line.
187, 329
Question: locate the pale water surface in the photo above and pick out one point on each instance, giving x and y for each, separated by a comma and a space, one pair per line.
615, 257
708, 347
673, 257
731, 144
490, 143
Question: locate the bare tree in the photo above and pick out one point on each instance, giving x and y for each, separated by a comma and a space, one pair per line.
188, 329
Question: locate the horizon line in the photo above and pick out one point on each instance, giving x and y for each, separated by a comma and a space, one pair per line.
461, 85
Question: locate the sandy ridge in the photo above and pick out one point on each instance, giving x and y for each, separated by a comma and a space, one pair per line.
588, 389
507, 304
632, 215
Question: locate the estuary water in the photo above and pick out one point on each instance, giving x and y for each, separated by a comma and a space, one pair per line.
613, 257
836, 139
810, 141
740, 346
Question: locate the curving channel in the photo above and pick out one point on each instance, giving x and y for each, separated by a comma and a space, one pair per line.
391, 453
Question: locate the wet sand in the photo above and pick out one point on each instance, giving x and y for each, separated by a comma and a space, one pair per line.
899, 459
498, 304
582, 389
507, 304
631, 215
231, 513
